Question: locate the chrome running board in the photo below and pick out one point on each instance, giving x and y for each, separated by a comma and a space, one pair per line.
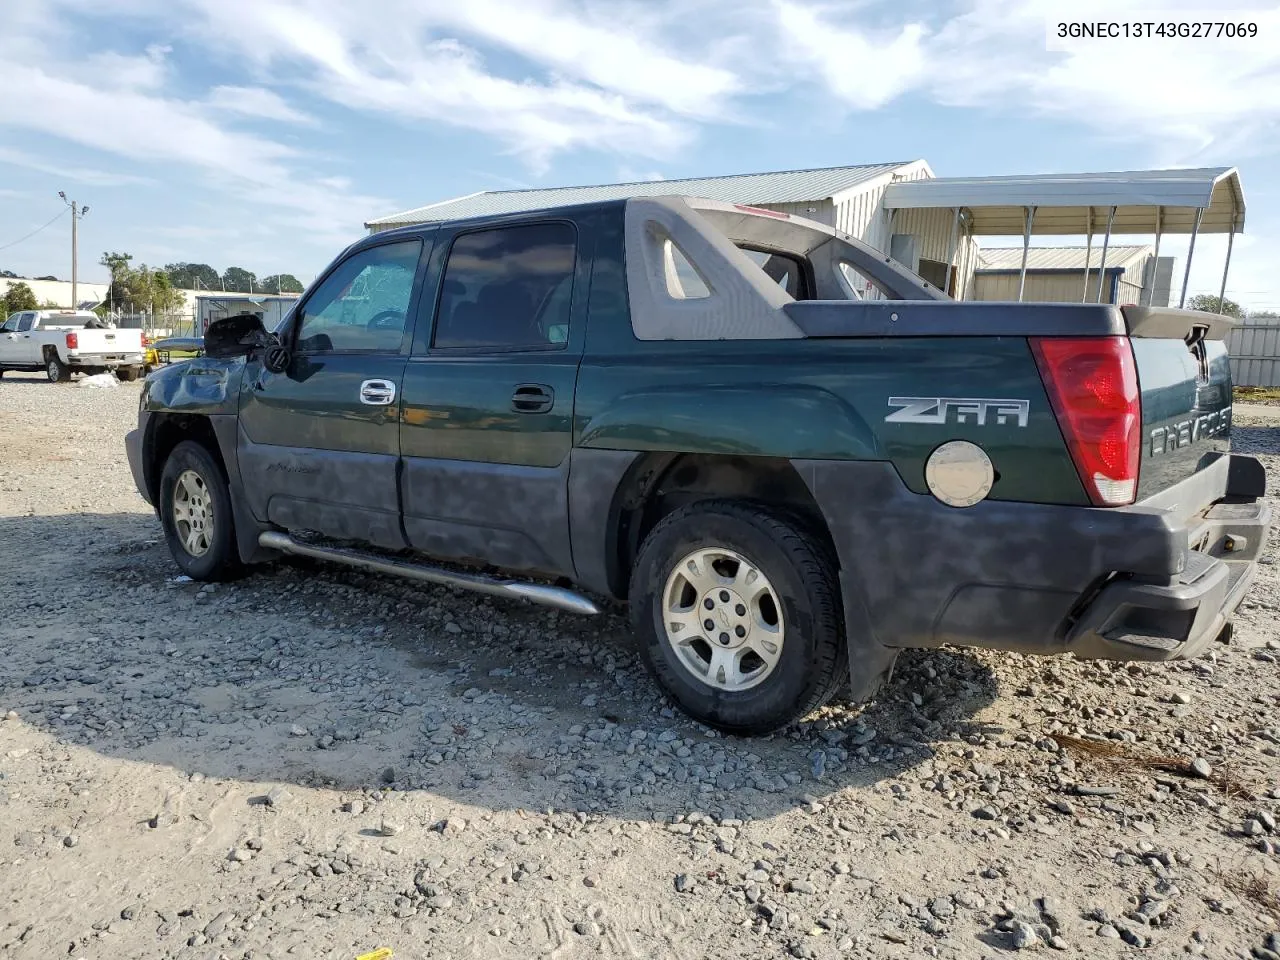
557, 597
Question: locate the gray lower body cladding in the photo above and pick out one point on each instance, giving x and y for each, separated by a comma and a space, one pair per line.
1120, 583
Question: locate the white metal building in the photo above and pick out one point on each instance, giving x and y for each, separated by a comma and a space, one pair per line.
214, 306
925, 222
1059, 275
58, 292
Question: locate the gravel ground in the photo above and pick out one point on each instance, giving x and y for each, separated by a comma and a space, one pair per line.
314, 762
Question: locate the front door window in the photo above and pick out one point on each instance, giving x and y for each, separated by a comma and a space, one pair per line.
361, 307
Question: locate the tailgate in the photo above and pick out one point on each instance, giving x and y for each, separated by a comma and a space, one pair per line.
1185, 384
109, 341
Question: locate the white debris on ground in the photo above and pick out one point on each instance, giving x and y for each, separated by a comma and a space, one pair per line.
99, 381
316, 762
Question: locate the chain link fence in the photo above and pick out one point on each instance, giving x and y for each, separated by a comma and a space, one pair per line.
158, 325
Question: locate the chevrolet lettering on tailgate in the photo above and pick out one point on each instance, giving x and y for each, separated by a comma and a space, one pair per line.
1186, 432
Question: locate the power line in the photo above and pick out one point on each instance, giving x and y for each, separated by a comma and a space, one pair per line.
33, 232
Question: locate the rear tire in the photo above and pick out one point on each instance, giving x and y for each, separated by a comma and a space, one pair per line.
756, 671
127, 374
56, 370
195, 512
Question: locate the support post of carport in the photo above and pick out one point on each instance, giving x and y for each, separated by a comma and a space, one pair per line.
1186, 274
1088, 253
1030, 213
1149, 293
1222, 291
951, 250
1102, 266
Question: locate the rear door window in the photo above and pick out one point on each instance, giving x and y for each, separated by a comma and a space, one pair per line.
509, 288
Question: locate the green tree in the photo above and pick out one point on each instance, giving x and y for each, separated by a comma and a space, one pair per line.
20, 297
193, 276
8, 274
241, 280
165, 297
280, 283
1209, 303
139, 289
116, 262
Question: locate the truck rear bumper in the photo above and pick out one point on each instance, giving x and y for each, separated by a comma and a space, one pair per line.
104, 359
1154, 581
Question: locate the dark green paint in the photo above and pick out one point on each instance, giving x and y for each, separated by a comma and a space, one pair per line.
315, 404
827, 400
1171, 396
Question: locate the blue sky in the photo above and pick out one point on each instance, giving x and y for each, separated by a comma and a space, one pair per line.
262, 133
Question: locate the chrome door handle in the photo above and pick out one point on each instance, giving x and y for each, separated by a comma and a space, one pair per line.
533, 398
378, 393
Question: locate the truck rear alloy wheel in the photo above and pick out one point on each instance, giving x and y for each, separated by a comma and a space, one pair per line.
737, 613
723, 619
57, 371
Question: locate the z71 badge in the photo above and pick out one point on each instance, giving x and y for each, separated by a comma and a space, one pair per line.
939, 410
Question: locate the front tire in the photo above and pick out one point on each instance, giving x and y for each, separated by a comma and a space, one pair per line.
775, 649
195, 511
56, 370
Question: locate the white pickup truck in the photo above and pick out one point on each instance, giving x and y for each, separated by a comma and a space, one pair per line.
59, 343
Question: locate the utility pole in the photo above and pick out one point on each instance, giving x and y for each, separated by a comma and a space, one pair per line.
76, 217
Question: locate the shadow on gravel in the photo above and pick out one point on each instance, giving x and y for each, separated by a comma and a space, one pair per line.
317, 675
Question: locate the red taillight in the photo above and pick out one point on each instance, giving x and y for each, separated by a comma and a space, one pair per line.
1093, 386
73, 341
146, 341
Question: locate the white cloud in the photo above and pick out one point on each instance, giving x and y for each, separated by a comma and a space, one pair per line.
256, 102
146, 72
863, 66
1195, 99
585, 84
604, 44
87, 175
147, 126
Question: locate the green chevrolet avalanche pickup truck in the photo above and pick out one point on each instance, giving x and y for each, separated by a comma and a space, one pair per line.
790, 457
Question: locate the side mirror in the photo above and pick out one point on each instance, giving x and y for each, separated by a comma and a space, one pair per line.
236, 336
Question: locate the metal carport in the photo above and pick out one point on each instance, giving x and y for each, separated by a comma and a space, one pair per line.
1192, 201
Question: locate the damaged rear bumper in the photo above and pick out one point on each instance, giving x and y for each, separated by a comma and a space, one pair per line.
1157, 580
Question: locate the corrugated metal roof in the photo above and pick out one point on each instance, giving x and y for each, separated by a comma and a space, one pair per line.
786, 186
1064, 201
1061, 258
